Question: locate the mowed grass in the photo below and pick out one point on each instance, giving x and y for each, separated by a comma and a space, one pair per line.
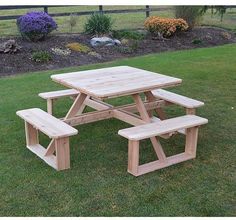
97, 183
121, 21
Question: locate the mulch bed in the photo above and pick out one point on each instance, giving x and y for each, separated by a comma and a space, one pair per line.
21, 62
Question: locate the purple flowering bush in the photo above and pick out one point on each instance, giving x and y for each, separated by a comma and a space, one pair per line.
35, 26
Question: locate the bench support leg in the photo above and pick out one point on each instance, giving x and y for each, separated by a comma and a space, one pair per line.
62, 153
133, 157
191, 141
145, 117
31, 135
190, 111
49, 106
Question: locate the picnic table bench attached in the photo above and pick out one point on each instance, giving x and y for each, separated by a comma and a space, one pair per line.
36, 119
188, 103
54, 95
135, 134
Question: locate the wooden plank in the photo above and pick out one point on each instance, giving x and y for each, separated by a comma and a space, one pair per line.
190, 111
162, 127
40, 151
100, 105
156, 165
46, 123
115, 81
141, 108
59, 94
31, 134
128, 117
89, 117
158, 149
133, 157
49, 106
97, 104
177, 99
51, 148
62, 153
78, 103
159, 111
144, 115
191, 141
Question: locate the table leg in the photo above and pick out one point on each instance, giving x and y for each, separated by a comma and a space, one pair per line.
144, 115
159, 111
77, 105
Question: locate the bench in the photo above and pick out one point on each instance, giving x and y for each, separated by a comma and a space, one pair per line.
52, 96
36, 119
136, 134
188, 103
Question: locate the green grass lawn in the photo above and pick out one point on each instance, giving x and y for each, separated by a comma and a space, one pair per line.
97, 183
121, 21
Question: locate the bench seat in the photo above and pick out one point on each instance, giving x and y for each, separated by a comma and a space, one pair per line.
58, 94
52, 96
48, 124
162, 127
177, 99
57, 154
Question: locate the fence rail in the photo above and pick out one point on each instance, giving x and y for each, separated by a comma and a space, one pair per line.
46, 8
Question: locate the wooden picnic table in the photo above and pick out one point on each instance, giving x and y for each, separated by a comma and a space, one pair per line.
93, 88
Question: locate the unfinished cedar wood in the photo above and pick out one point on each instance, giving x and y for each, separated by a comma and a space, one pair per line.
49, 125
58, 94
115, 81
87, 87
135, 134
54, 95
162, 127
36, 119
177, 99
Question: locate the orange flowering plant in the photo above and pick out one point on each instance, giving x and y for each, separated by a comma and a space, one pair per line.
165, 26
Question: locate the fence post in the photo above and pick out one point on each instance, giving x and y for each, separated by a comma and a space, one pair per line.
100, 9
147, 11
45, 8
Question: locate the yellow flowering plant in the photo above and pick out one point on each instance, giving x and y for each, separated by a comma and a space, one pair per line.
165, 27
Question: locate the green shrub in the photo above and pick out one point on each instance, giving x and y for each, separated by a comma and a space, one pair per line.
191, 14
41, 56
197, 41
134, 35
98, 24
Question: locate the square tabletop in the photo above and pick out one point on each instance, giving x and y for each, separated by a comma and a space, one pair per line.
115, 81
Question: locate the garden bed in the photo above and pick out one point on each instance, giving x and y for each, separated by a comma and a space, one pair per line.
22, 62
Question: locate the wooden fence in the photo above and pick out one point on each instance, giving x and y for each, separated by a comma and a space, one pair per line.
147, 10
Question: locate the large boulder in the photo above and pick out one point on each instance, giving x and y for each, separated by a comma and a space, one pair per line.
104, 41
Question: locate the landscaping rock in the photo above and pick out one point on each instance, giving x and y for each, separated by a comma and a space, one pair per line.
9, 46
104, 41
117, 42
